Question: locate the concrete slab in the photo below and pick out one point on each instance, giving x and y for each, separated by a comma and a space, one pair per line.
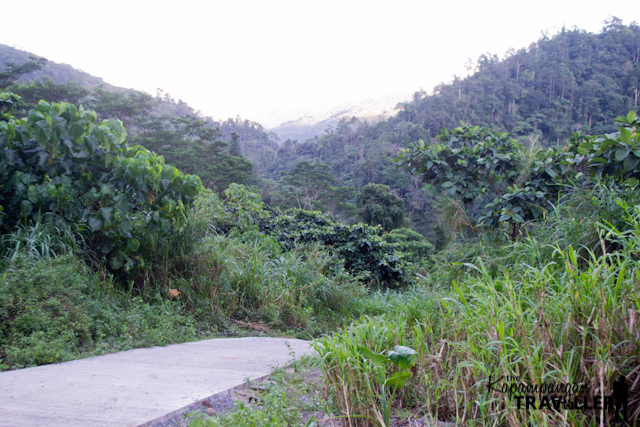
137, 387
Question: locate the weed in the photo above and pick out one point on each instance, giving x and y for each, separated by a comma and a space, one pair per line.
289, 400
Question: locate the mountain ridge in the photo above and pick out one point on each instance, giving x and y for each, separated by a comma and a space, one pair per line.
308, 126
58, 72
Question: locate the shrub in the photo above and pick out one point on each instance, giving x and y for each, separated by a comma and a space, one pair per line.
59, 161
416, 247
361, 246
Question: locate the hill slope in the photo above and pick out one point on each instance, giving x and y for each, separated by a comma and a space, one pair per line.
572, 81
59, 73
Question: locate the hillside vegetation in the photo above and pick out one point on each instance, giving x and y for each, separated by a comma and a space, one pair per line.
571, 81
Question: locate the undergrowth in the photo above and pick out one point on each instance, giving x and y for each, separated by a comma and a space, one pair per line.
56, 309
288, 399
552, 307
558, 304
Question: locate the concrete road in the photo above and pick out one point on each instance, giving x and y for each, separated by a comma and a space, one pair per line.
137, 387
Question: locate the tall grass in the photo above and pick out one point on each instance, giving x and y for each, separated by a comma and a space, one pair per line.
544, 313
40, 240
244, 282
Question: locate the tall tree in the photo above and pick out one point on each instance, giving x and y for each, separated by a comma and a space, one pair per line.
128, 107
234, 145
312, 184
13, 72
379, 206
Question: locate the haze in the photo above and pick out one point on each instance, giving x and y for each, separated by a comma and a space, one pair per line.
273, 61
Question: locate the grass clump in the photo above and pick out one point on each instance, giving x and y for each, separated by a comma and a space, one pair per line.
301, 291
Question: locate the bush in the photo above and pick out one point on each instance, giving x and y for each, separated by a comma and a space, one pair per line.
416, 247
60, 162
361, 246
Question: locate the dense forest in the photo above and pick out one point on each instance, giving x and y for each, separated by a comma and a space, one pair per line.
571, 81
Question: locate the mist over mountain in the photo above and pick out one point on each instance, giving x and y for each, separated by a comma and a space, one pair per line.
311, 125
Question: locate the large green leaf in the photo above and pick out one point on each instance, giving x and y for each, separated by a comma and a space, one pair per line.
403, 357
375, 358
25, 208
51, 191
133, 244
106, 214
518, 218
606, 144
95, 223
622, 154
121, 203
625, 135
398, 379
75, 131
33, 194
42, 131
116, 262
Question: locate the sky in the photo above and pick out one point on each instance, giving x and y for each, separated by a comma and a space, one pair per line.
272, 61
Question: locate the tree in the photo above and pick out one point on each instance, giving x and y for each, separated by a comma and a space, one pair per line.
50, 91
234, 145
126, 107
194, 145
61, 162
379, 206
470, 162
615, 155
13, 72
312, 183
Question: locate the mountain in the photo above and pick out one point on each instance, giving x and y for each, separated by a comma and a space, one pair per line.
572, 81
311, 125
59, 73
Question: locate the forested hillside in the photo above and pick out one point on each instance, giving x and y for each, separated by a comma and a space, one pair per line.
59, 73
574, 80
172, 128
571, 81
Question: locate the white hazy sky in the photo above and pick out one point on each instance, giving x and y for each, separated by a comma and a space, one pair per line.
271, 61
